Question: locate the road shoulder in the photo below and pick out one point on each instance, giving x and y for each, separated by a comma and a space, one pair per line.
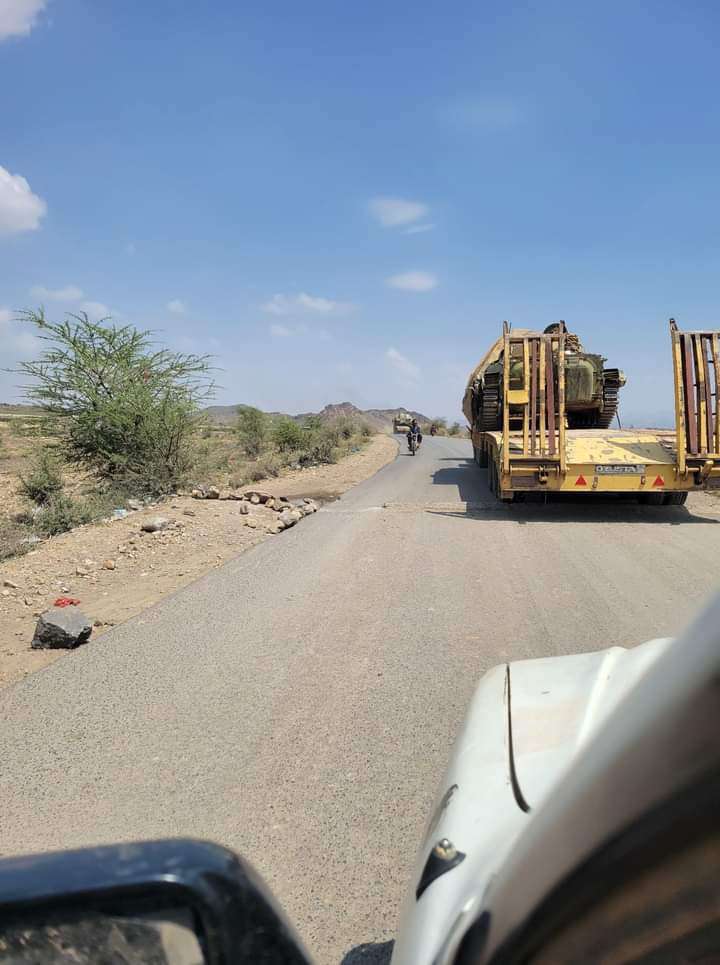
116, 570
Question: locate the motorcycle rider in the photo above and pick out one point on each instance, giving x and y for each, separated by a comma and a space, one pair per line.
414, 431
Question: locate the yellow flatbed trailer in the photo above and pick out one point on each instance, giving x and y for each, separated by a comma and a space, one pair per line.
539, 454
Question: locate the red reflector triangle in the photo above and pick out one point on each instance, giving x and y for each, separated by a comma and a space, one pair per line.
659, 481
581, 481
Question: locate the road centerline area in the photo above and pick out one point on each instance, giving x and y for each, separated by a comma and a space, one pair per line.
299, 703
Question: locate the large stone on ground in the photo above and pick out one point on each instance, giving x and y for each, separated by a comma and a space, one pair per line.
257, 496
62, 628
289, 517
155, 524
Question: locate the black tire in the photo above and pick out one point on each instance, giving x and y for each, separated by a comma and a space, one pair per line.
483, 457
652, 499
493, 479
675, 499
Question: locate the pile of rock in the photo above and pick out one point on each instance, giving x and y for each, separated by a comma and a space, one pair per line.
289, 512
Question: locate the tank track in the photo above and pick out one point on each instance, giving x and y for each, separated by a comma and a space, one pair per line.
611, 389
489, 415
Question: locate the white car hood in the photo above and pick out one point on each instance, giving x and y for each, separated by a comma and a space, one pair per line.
527, 723
557, 704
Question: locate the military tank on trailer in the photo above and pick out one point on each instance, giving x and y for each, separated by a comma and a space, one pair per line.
591, 389
402, 422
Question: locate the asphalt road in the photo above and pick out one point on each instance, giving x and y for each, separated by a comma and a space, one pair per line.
298, 704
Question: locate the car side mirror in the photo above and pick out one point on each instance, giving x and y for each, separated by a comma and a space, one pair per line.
174, 902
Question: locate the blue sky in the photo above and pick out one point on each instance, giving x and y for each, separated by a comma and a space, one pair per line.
343, 201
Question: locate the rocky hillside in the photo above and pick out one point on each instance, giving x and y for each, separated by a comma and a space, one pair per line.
380, 419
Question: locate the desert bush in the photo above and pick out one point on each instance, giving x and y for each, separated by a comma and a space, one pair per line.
124, 408
312, 422
28, 429
13, 536
60, 514
44, 479
264, 468
346, 427
455, 429
288, 436
366, 430
252, 430
323, 445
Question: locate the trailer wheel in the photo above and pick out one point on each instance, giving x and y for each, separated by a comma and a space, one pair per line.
492, 478
482, 457
675, 499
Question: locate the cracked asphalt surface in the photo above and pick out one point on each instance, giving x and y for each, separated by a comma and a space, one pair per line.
298, 704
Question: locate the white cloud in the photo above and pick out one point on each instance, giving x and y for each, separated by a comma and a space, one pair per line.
73, 295
281, 304
317, 304
176, 306
413, 281
18, 17
417, 229
277, 305
15, 339
280, 331
403, 365
95, 310
288, 331
20, 209
70, 293
394, 212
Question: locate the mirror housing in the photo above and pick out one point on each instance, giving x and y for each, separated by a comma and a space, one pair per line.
234, 916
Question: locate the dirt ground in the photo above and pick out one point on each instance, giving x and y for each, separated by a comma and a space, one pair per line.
117, 571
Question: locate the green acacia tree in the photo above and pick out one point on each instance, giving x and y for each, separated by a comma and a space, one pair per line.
252, 430
287, 435
118, 405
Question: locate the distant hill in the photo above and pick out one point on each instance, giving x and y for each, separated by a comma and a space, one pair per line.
222, 414
386, 416
380, 419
